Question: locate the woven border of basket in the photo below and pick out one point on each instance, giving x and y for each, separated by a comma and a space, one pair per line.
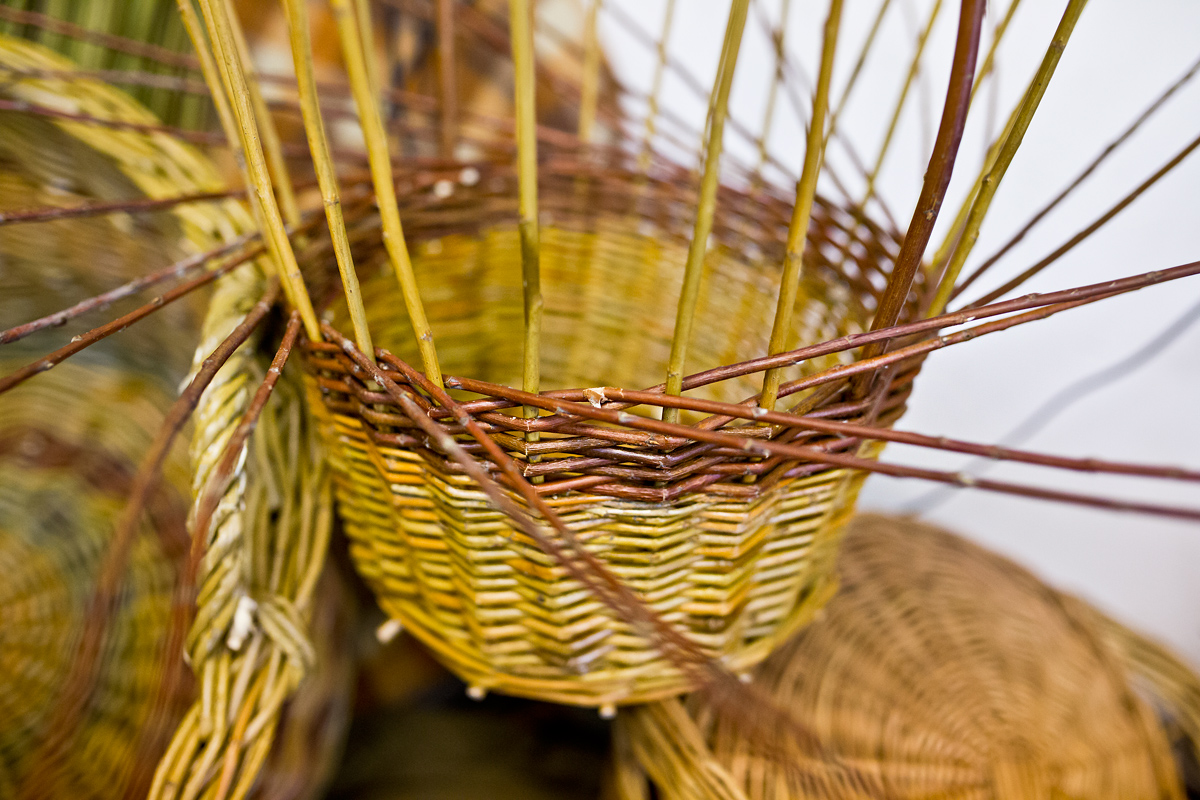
940, 670
63, 487
733, 548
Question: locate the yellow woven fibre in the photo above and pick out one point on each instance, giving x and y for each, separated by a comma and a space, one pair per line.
737, 573
939, 670
60, 497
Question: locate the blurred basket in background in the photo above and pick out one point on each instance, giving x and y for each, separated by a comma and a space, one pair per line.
67, 459
940, 669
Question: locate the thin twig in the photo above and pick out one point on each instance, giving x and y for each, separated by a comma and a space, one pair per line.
140, 206
707, 199
806, 192
1012, 141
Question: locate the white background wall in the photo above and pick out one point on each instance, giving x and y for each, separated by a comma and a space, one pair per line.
1144, 570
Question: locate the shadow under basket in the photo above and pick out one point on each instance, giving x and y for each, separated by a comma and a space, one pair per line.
735, 550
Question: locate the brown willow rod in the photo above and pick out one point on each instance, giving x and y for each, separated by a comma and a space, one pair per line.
318, 144
1078, 296
582, 565
121, 44
85, 340
1080, 178
234, 83
527, 191
1008, 150
129, 77
383, 178
707, 201
806, 192
78, 685
100, 301
913, 69
448, 77
767, 447
197, 137
1100, 221
860, 431
143, 206
937, 176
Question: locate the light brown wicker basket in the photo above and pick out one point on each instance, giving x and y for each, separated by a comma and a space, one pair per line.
737, 564
939, 670
63, 482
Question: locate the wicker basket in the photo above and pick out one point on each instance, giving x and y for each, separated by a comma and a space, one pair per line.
939, 670
736, 564
63, 481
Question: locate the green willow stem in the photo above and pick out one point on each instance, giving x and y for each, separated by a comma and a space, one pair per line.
806, 191
707, 205
1012, 141
383, 179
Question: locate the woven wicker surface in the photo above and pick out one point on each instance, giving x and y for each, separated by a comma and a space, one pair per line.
940, 670
63, 481
738, 565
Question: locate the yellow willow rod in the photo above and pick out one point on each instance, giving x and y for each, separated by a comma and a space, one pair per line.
806, 191
656, 88
527, 173
272, 144
318, 145
379, 157
913, 68
590, 88
233, 75
707, 205
1012, 141
773, 92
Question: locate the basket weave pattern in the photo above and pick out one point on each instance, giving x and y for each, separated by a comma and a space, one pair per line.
736, 564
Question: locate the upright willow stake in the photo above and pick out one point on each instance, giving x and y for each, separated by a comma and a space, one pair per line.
660, 69
858, 65
447, 74
272, 144
258, 177
806, 191
913, 69
707, 205
318, 145
380, 160
527, 173
937, 177
773, 92
987, 190
590, 86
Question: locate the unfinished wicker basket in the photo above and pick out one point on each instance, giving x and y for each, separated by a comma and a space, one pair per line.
732, 549
939, 670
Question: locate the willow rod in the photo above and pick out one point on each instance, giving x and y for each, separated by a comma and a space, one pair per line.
318, 144
660, 68
590, 87
447, 75
259, 179
272, 144
777, 36
913, 68
383, 179
806, 191
937, 175
987, 190
707, 201
527, 173
858, 65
